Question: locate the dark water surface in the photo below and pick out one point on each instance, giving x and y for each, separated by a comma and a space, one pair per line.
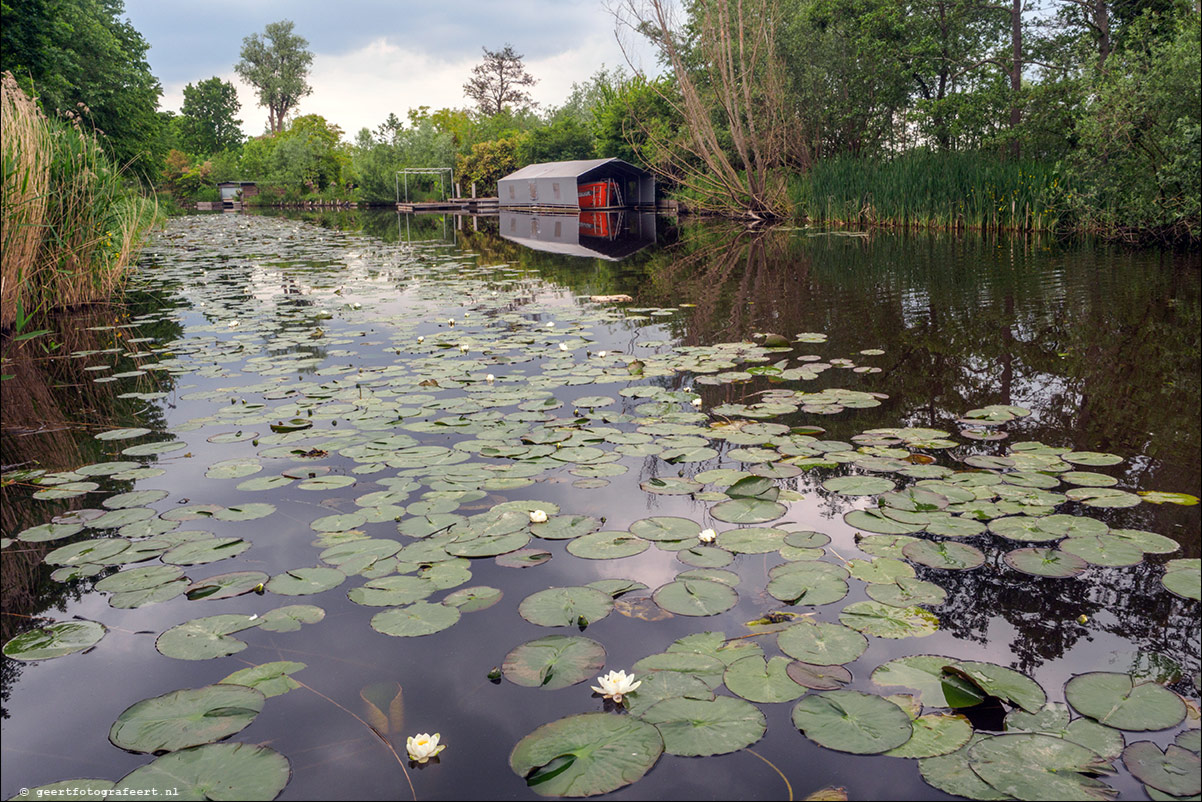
235, 323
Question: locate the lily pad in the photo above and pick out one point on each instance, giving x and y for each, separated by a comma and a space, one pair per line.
1175, 771
54, 640
471, 600
808, 582
953, 774
205, 638
212, 772
934, 735
270, 679
1035, 766
306, 581
566, 607
850, 721
945, 555
415, 620
907, 592
587, 754
186, 718
1105, 550
556, 661
886, 621
695, 597
697, 727
858, 485
759, 680
607, 545
821, 643
819, 678
224, 586
666, 529
1116, 701
1045, 562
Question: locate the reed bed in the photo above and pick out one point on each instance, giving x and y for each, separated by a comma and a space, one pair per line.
70, 223
921, 189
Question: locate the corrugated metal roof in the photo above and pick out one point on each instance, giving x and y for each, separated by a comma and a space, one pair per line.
572, 169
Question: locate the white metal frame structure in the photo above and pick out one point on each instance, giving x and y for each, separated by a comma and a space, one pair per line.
448, 172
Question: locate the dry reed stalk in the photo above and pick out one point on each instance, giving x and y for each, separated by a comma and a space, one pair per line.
26, 192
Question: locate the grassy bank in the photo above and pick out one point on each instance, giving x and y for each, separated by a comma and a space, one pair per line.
930, 190
70, 224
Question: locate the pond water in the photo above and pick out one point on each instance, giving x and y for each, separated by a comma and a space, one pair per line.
326, 444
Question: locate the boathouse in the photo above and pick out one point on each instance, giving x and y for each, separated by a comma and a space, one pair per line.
236, 191
578, 185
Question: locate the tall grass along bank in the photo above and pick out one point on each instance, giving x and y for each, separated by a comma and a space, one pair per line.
70, 224
931, 190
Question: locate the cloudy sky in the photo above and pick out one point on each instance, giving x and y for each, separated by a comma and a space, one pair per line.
372, 57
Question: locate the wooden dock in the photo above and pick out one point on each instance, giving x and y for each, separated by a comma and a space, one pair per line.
450, 205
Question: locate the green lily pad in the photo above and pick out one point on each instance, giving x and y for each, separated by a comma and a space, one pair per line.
1175, 771
1148, 542
471, 600
1104, 550
666, 529
290, 617
95, 551
935, 734
186, 718
752, 540
671, 486
953, 774
556, 661
885, 621
1045, 562
607, 545
391, 591
695, 597
489, 545
306, 581
415, 620
809, 583
141, 578
1161, 497
1116, 701
850, 721
858, 485
748, 511
882, 569
907, 592
212, 772
698, 727
1055, 719
884, 545
759, 680
706, 668
881, 522
54, 640
705, 557
1106, 497
819, 678
1035, 766
1184, 578
587, 754
945, 555
270, 679
205, 638
566, 607
523, 558
565, 527
224, 586
208, 550
1000, 682
1092, 458
821, 643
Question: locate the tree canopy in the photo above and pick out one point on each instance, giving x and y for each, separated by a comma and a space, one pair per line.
277, 64
207, 117
500, 81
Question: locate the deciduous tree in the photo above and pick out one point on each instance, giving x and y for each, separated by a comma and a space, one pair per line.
277, 64
208, 125
500, 81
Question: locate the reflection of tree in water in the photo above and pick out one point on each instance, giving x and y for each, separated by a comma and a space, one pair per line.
52, 411
1127, 602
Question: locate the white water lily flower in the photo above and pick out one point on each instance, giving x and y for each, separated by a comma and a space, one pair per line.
601, 354
707, 536
423, 746
615, 685
563, 346
421, 339
688, 389
463, 348
490, 378
550, 324
450, 321
538, 517
696, 402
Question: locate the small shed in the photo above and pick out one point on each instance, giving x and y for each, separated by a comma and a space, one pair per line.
587, 184
233, 191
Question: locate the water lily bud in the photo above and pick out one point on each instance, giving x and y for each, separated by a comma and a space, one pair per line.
707, 536
688, 389
450, 321
538, 517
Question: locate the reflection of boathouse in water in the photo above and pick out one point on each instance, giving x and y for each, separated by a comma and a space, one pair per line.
608, 235
589, 184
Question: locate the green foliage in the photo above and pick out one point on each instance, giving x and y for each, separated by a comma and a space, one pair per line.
563, 140
82, 59
487, 162
633, 118
922, 188
376, 159
1141, 139
207, 123
277, 64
